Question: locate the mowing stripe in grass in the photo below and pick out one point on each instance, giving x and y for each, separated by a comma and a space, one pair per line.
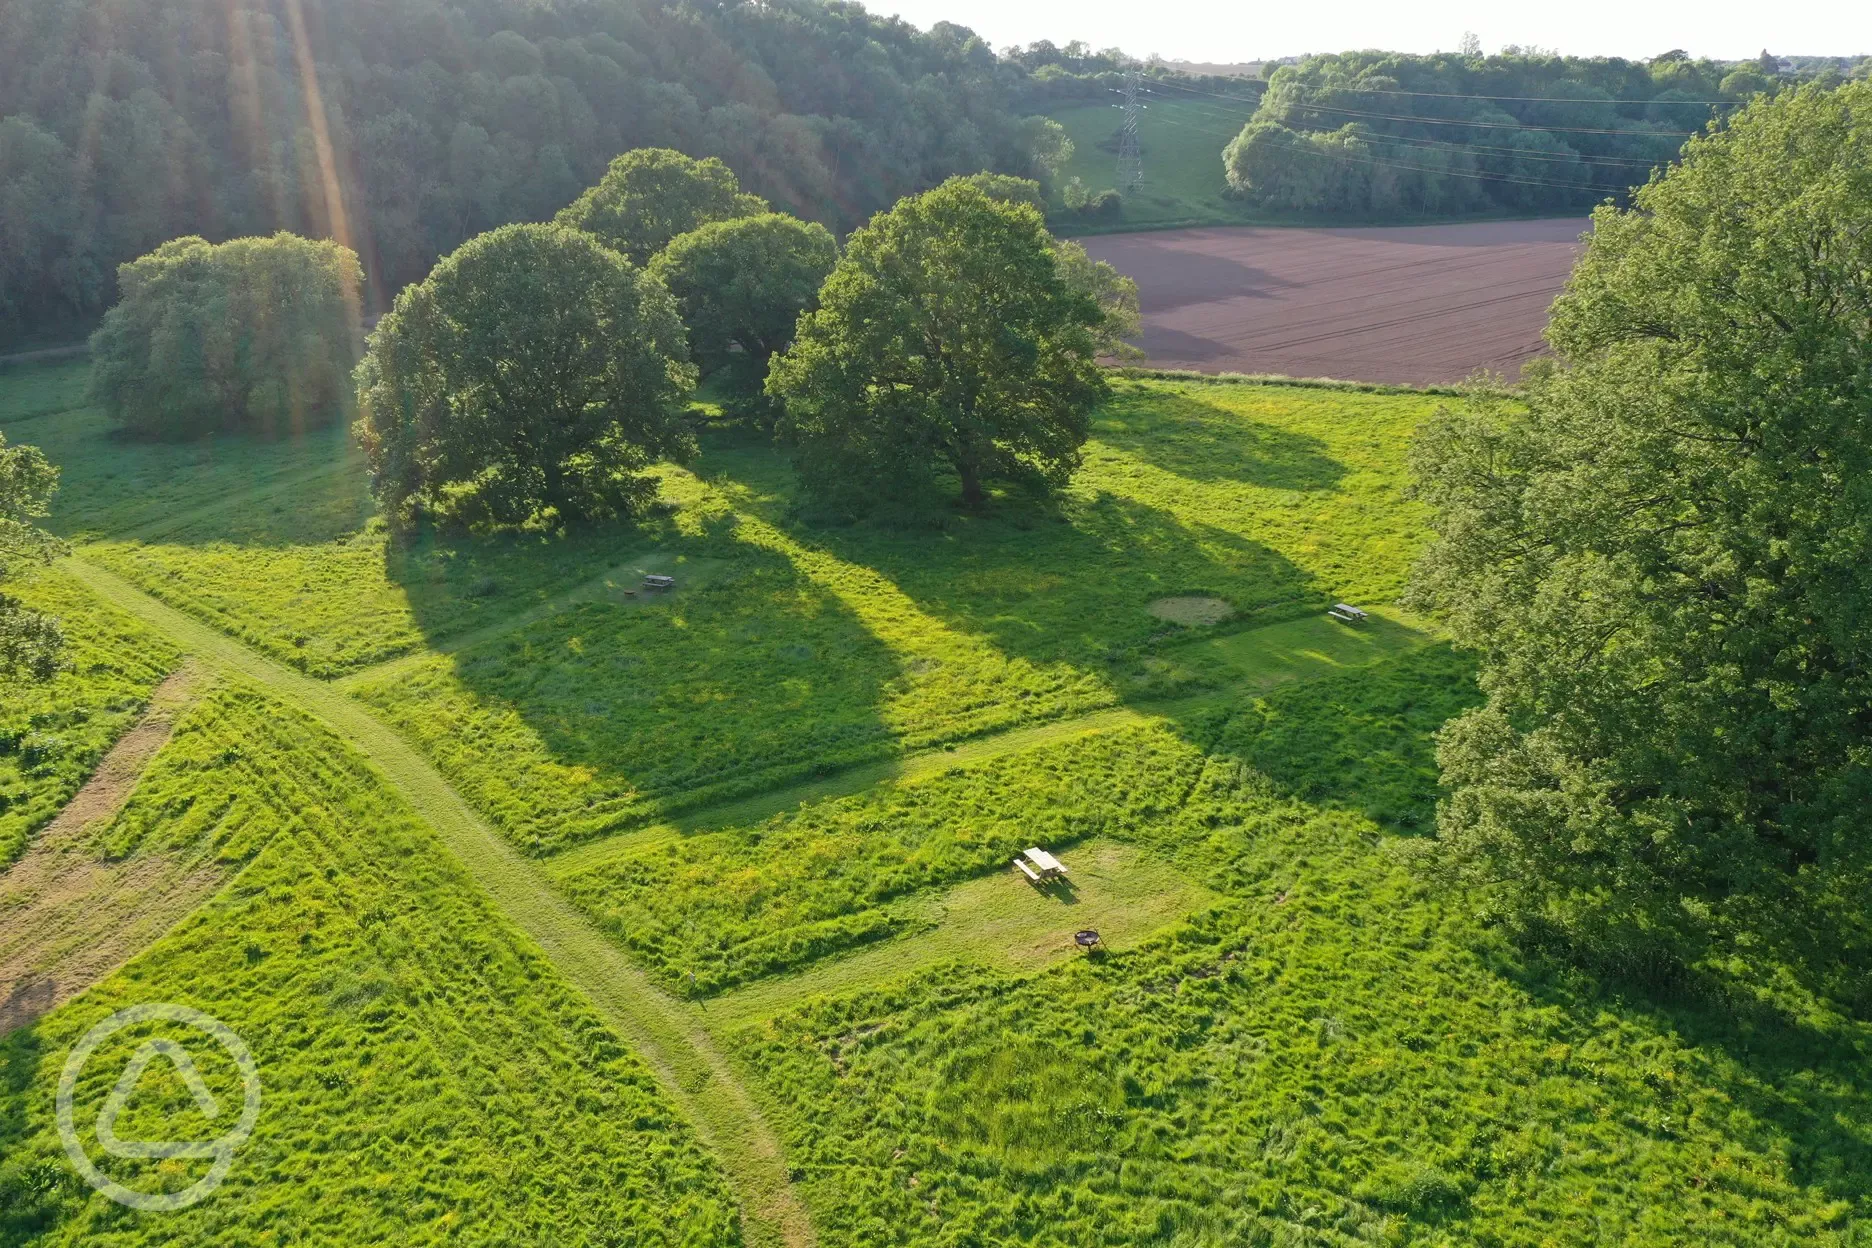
668, 1035
608, 586
154, 530
1274, 654
998, 920
908, 769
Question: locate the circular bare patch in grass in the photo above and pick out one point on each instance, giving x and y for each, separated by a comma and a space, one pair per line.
1192, 610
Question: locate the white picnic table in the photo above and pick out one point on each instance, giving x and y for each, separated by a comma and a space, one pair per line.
1044, 866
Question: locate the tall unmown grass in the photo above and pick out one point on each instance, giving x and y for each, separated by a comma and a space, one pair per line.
807, 649
1335, 1054
427, 1077
790, 650
715, 909
52, 734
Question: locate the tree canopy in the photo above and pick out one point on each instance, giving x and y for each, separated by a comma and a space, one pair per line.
649, 196
1661, 559
946, 337
1381, 133
1115, 294
741, 286
529, 378
402, 129
30, 641
256, 334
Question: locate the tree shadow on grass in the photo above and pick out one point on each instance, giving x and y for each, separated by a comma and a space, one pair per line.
1073, 583
1203, 442
31, 1199
1363, 740
734, 683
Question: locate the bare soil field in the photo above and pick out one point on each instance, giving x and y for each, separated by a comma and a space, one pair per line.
1414, 305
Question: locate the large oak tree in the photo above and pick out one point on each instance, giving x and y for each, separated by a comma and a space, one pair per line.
1664, 561
741, 286
947, 337
532, 375
254, 334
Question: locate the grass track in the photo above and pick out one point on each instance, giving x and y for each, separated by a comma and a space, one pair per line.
1264, 657
999, 920
609, 586
668, 1036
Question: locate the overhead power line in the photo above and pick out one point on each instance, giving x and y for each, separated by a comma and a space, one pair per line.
1448, 95
1447, 173
1130, 153
1531, 152
1473, 175
1526, 99
1493, 125
1488, 125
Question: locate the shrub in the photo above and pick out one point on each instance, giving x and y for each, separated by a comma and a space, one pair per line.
1107, 205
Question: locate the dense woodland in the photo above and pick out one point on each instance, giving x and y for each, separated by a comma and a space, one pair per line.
1375, 133
402, 127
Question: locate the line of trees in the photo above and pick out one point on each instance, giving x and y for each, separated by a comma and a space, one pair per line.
539, 370
1375, 133
400, 130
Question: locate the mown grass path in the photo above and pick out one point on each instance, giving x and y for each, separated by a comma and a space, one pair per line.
668, 1035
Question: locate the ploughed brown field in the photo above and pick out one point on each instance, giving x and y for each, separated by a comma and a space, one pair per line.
1417, 304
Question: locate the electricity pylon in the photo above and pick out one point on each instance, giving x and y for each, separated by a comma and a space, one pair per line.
1130, 155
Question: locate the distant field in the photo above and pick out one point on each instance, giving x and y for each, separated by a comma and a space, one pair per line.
1182, 140
1182, 144
1417, 305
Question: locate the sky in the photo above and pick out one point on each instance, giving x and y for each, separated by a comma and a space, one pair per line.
1231, 30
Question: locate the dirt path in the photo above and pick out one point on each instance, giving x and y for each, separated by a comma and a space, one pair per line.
668, 1035
68, 915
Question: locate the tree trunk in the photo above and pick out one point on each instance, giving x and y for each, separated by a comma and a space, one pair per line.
972, 496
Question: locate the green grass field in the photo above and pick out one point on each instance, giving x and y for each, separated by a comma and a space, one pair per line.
1182, 142
52, 735
562, 913
1181, 139
423, 1067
